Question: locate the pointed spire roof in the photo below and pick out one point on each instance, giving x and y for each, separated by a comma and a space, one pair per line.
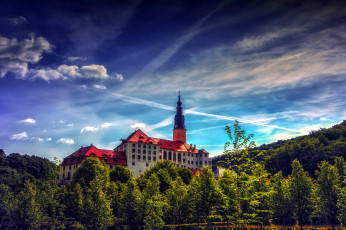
179, 120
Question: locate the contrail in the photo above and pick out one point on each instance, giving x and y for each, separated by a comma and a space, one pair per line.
171, 108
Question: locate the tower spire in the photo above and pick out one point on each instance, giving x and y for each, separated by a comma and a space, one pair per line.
179, 131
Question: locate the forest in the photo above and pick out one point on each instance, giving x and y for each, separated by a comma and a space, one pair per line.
251, 192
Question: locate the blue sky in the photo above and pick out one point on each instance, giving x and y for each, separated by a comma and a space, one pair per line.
74, 73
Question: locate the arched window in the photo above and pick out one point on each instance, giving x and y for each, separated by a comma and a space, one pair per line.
164, 155
170, 156
179, 156
68, 176
174, 156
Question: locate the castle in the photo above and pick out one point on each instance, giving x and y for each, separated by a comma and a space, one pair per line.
139, 152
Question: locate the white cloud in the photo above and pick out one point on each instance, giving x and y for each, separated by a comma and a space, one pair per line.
70, 125
67, 141
103, 87
89, 129
93, 71
76, 59
106, 125
19, 136
48, 139
39, 139
28, 120
120, 77
138, 126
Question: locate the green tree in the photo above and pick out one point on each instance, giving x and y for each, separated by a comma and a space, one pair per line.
327, 191
205, 195
96, 212
6, 206
121, 174
301, 187
340, 164
130, 205
281, 201
89, 170
342, 206
185, 174
238, 155
28, 213
177, 203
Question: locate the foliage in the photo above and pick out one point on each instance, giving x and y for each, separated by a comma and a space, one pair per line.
301, 187
121, 174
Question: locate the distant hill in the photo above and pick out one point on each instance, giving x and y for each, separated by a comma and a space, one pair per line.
310, 150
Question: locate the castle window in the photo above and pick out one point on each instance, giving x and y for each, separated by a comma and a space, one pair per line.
133, 163
196, 162
147, 164
70, 167
206, 155
139, 150
139, 157
149, 151
143, 157
174, 157
192, 162
149, 158
200, 162
184, 160
205, 162
63, 175
133, 156
170, 156
144, 151
154, 158
164, 155
188, 154
188, 162
64, 168
133, 150
179, 156
160, 157
154, 146
68, 176
149, 146
133, 145
144, 146
154, 152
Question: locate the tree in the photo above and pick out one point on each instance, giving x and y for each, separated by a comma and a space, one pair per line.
28, 213
301, 193
6, 206
177, 202
342, 206
89, 170
204, 194
327, 191
96, 212
238, 156
121, 174
281, 201
185, 174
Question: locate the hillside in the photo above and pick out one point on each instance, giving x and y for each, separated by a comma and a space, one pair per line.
310, 150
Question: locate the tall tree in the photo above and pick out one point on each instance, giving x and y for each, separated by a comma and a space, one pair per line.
237, 150
6, 206
342, 206
281, 201
204, 194
327, 191
177, 203
96, 212
301, 187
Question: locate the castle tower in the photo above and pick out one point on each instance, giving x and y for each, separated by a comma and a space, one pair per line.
179, 131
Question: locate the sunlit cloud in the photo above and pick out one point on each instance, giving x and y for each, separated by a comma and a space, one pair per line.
89, 129
19, 136
28, 121
67, 141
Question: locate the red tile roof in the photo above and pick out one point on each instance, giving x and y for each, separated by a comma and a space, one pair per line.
139, 137
107, 156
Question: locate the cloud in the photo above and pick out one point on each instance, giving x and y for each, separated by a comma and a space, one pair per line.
17, 21
16, 55
19, 136
89, 129
28, 120
103, 87
67, 141
39, 139
93, 71
138, 126
72, 59
229, 118
120, 77
106, 125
